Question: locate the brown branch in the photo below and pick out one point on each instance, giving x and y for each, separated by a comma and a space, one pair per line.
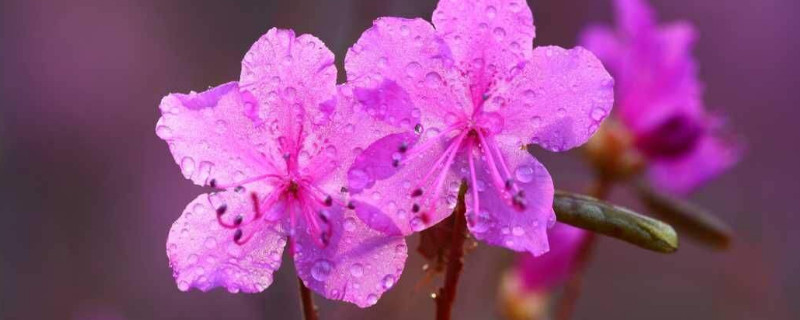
309, 309
447, 294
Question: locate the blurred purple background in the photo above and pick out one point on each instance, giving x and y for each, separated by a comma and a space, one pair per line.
89, 192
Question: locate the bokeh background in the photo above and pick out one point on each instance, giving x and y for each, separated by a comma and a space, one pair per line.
88, 192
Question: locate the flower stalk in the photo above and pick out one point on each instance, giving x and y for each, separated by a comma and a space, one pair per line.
307, 302
455, 264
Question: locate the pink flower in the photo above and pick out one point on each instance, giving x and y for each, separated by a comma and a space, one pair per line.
274, 147
540, 274
476, 94
659, 97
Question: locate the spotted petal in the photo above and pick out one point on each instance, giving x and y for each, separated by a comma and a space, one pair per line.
294, 81
558, 100
203, 255
499, 222
358, 265
488, 37
401, 72
212, 138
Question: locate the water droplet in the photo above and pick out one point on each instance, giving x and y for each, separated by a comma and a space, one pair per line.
388, 281
404, 30
164, 132
433, 80
183, 285
192, 259
358, 179
372, 299
499, 33
524, 173
483, 26
482, 222
536, 121
401, 249
518, 231
505, 230
349, 224
290, 93
187, 166
274, 255
598, 113
491, 12
357, 270
383, 62
416, 224
413, 69
529, 94
211, 243
321, 270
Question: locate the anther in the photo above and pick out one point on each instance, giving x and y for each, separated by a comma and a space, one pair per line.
418, 128
213, 183
415, 208
323, 216
237, 235
403, 147
221, 210
326, 238
395, 163
509, 184
238, 221
350, 205
416, 193
286, 156
343, 190
519, 201
239, 189
328, 201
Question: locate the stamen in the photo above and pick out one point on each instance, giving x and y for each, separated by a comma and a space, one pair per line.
496, 177
418, 150
415, 208
222, 209
214, 184
443, 173
237, 235
416, 193
350, 205
328, 201
475, 197
403, 147
238, 189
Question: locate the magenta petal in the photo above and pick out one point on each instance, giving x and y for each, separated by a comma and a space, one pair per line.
488, 37
711, 156
497, 222
634, 16
400, 69
357, 266
203, 255
292, 78
211, 136
559, 99
376, 181
603, 42
557, 266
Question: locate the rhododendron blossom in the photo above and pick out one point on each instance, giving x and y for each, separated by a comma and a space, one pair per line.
659, 97
476, 94
557, 266
275, 147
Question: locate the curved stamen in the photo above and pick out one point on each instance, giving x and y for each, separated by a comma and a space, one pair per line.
475, 198
418, 150
444, 171
417, 190
496, 177
214, 184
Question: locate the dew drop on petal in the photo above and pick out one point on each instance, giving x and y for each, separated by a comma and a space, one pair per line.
372, 299
357, 270
349, 224
211, 243
433, 80
416, 224
321, 270
499, 33
388, 281
518, 231
598, 114
413, 69
524, 173
183, 285
491, 12
187, 166
164, 132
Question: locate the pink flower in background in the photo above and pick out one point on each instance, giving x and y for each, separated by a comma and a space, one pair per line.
275, 146
659, 97
557, 266
476, 94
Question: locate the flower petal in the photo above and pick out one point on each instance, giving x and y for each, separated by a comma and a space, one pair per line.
556, 266
487, 37
294, 81
604, 43
358, 265
711, 156
559, 99
634, 16
497, 222
203, 254
212, 138
375, 182
401, 72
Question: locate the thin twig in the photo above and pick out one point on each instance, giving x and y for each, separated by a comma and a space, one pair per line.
455, 263
309, 309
